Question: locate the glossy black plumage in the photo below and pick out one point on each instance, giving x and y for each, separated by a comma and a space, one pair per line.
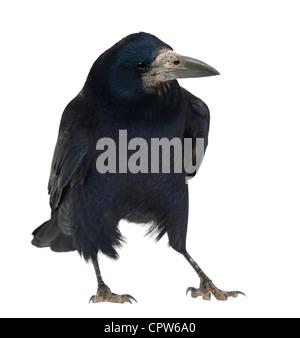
131, 87
87, 205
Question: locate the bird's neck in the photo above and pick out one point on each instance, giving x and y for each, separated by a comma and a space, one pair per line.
159, 104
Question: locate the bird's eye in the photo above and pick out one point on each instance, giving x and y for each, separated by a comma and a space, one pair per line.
142, 67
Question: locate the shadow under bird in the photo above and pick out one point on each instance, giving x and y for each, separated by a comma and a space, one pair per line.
133, 87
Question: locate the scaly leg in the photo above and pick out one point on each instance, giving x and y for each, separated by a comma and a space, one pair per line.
103, 292
206, 285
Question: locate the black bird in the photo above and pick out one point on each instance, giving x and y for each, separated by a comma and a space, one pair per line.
133, 87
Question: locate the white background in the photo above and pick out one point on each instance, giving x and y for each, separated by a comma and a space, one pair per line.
244, 202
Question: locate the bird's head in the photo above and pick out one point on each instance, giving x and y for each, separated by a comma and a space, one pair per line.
141, 65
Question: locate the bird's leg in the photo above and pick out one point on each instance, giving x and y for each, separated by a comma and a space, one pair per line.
104, 293
206, 285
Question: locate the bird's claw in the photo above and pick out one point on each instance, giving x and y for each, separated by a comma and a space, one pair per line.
205, 290
113, 298
128, 298
197, 292
234, 294
188, 289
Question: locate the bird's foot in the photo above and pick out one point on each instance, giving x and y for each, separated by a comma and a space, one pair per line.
105, 295
207, 288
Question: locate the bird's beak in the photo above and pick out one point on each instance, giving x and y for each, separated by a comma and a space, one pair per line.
169, 65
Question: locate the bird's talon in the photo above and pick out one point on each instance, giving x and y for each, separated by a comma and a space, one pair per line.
130, 297
239, 293
111, 297
126, 299
206, 296
189, 289
208, 288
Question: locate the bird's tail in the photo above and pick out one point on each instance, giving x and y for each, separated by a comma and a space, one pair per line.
49, 235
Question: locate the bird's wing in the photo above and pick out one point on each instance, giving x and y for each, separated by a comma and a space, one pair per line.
69, 164
197, 126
